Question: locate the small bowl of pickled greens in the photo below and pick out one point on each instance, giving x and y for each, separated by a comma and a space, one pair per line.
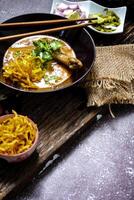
108, 20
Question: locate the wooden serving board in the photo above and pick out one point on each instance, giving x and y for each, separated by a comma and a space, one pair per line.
59, 116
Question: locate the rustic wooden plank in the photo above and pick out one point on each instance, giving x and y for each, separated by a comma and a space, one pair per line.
59, 117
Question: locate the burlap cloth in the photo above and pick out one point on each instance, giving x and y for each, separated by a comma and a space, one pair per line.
111, 79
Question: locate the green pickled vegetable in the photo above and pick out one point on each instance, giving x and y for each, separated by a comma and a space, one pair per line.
106, 22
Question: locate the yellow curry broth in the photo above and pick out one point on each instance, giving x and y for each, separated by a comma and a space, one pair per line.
22, 68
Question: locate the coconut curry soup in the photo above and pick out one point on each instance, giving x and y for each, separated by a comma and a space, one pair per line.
39, 63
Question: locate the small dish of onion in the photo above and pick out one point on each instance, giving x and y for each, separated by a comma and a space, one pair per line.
71, 10
109, 20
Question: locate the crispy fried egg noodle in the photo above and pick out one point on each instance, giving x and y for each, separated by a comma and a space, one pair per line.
17, 134
25, 69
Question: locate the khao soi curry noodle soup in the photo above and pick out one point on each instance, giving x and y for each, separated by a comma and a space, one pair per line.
39, 62
17, 134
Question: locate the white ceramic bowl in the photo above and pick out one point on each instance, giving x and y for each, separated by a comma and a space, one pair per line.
120, 12
90, 7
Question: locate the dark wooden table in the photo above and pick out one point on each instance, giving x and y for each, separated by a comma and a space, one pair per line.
98, 164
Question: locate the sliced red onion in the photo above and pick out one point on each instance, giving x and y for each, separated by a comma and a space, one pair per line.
67, 12
57, 12
73, 6
62, 7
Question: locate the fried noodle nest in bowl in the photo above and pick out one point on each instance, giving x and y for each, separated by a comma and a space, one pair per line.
18, 138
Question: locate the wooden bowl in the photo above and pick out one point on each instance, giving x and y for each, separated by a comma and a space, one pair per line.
24, 155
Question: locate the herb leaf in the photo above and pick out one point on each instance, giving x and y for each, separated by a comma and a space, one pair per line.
55, 45
45, 48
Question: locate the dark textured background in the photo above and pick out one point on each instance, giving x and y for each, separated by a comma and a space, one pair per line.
98, 164
11, 8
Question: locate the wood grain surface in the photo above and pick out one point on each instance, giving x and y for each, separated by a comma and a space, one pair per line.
59, 116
